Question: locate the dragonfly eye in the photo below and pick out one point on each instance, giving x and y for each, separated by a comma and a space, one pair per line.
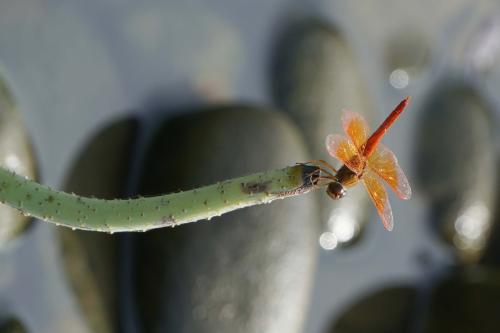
335, 190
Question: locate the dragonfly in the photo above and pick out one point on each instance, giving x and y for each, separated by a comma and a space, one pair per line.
367, 160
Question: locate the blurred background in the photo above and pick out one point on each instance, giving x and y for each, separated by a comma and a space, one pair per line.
119, 98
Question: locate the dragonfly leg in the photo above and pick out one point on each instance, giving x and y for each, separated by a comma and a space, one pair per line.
321, 165
325, 164
328, 178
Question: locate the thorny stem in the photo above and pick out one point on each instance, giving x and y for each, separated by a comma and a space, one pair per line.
147, 213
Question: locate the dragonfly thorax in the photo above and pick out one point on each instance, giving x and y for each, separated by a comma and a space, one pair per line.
346, 177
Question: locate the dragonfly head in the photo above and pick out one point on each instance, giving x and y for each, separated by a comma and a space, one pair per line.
336, 190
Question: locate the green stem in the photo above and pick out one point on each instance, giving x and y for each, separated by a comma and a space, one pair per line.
147, 213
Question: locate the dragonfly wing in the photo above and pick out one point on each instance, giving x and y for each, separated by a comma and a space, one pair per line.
385, 164
379, 197
356, 128
344, 150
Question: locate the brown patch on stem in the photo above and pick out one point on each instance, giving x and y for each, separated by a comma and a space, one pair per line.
255, 187
167, 221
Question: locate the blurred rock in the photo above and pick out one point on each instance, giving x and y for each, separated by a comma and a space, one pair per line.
406, 57
90, 258
315, 77
467, 301
456, 167
246, 271
12, 325
385, 311
491, 255
15, 154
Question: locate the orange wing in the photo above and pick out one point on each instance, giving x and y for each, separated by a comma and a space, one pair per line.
356, 128
384, 163
343, 149
379, 197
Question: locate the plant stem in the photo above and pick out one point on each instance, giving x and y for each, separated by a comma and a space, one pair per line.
145, 213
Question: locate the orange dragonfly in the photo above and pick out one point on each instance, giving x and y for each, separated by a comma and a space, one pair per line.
366, 159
